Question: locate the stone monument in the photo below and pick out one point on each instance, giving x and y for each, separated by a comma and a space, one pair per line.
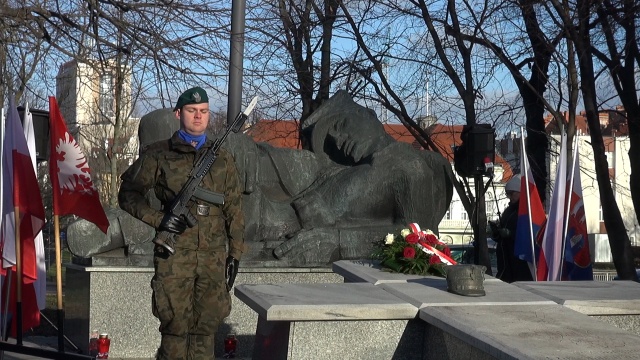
308, 208
303, 209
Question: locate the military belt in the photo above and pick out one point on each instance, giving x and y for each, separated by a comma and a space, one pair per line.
202, 210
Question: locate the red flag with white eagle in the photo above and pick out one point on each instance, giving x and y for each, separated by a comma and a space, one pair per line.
73, 190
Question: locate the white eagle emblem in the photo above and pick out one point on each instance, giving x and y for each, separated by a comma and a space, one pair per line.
73, 170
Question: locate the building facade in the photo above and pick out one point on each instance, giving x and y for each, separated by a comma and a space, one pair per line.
86, 95
616, 140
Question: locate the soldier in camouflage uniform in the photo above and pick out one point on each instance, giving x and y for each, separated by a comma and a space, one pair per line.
190, 294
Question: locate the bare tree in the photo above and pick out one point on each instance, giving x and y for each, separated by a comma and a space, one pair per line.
583, 24
442, 49
151, 50
620, 55
305, 31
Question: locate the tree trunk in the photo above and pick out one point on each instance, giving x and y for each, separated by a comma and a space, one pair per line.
618, 237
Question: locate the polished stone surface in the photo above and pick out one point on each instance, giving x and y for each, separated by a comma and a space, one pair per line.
433, 292
370, 271
316, 302
590, 297
533, 332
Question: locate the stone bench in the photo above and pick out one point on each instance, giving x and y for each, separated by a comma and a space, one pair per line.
306, 320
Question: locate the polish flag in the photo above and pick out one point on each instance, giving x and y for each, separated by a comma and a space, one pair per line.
40, 284
22, 194
73, 190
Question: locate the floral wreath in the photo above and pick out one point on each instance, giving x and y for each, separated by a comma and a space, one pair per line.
414, 251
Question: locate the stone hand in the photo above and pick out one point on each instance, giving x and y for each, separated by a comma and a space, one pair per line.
172, 223
315, 247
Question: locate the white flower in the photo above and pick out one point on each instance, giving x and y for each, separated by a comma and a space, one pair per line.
388, 240
405, 232
429, 232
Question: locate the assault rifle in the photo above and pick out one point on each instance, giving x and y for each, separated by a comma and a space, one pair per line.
179, 204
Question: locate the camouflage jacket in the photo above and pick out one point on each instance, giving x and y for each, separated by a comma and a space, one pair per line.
164, 167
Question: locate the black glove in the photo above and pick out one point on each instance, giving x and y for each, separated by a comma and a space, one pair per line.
504, 233
173, 223
230, 271
493, 229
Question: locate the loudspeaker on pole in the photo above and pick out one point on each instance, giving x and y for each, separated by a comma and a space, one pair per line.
476, 154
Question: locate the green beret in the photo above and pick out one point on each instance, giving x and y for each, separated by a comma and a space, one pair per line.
195, 95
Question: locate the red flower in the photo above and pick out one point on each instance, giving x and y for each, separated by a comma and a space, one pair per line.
409, 252
434, 260
412, 238
446, 251
431, 239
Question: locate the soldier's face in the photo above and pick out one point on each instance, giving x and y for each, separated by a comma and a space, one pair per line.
194, 118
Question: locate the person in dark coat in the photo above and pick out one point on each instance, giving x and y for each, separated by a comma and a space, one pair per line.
510, 267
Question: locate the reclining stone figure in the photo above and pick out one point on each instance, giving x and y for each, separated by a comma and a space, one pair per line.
310, 208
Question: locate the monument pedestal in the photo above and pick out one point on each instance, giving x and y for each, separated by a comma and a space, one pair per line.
117, 300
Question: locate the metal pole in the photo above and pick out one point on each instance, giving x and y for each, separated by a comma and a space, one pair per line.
235, 59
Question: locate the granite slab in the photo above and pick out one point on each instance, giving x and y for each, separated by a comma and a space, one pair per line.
370, 271
318, 302
431, 292
533, 332
590, 297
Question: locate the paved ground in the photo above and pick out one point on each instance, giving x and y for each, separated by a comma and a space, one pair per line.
45, 342
49, 343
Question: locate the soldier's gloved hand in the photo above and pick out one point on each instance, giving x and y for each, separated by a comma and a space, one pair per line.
173, 223
230, 271
504, 233
493, 229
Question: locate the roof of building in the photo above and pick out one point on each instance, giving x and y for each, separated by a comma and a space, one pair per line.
612, 123
277, 133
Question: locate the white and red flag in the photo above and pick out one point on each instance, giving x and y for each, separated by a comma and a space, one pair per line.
22, 204
40, 284
73, 190
550, 259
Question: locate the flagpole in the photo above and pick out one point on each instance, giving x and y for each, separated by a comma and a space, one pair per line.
18, 318
6, 290
5, 299
60, 311
525, 161
567, 208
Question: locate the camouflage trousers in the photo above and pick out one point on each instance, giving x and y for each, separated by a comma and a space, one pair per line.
190, 300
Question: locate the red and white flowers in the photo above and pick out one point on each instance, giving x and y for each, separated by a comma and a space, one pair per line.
414, 251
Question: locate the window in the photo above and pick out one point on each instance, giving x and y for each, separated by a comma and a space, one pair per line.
609, 156
106, 95
600, 216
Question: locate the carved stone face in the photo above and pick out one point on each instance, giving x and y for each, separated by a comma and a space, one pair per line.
356, 136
